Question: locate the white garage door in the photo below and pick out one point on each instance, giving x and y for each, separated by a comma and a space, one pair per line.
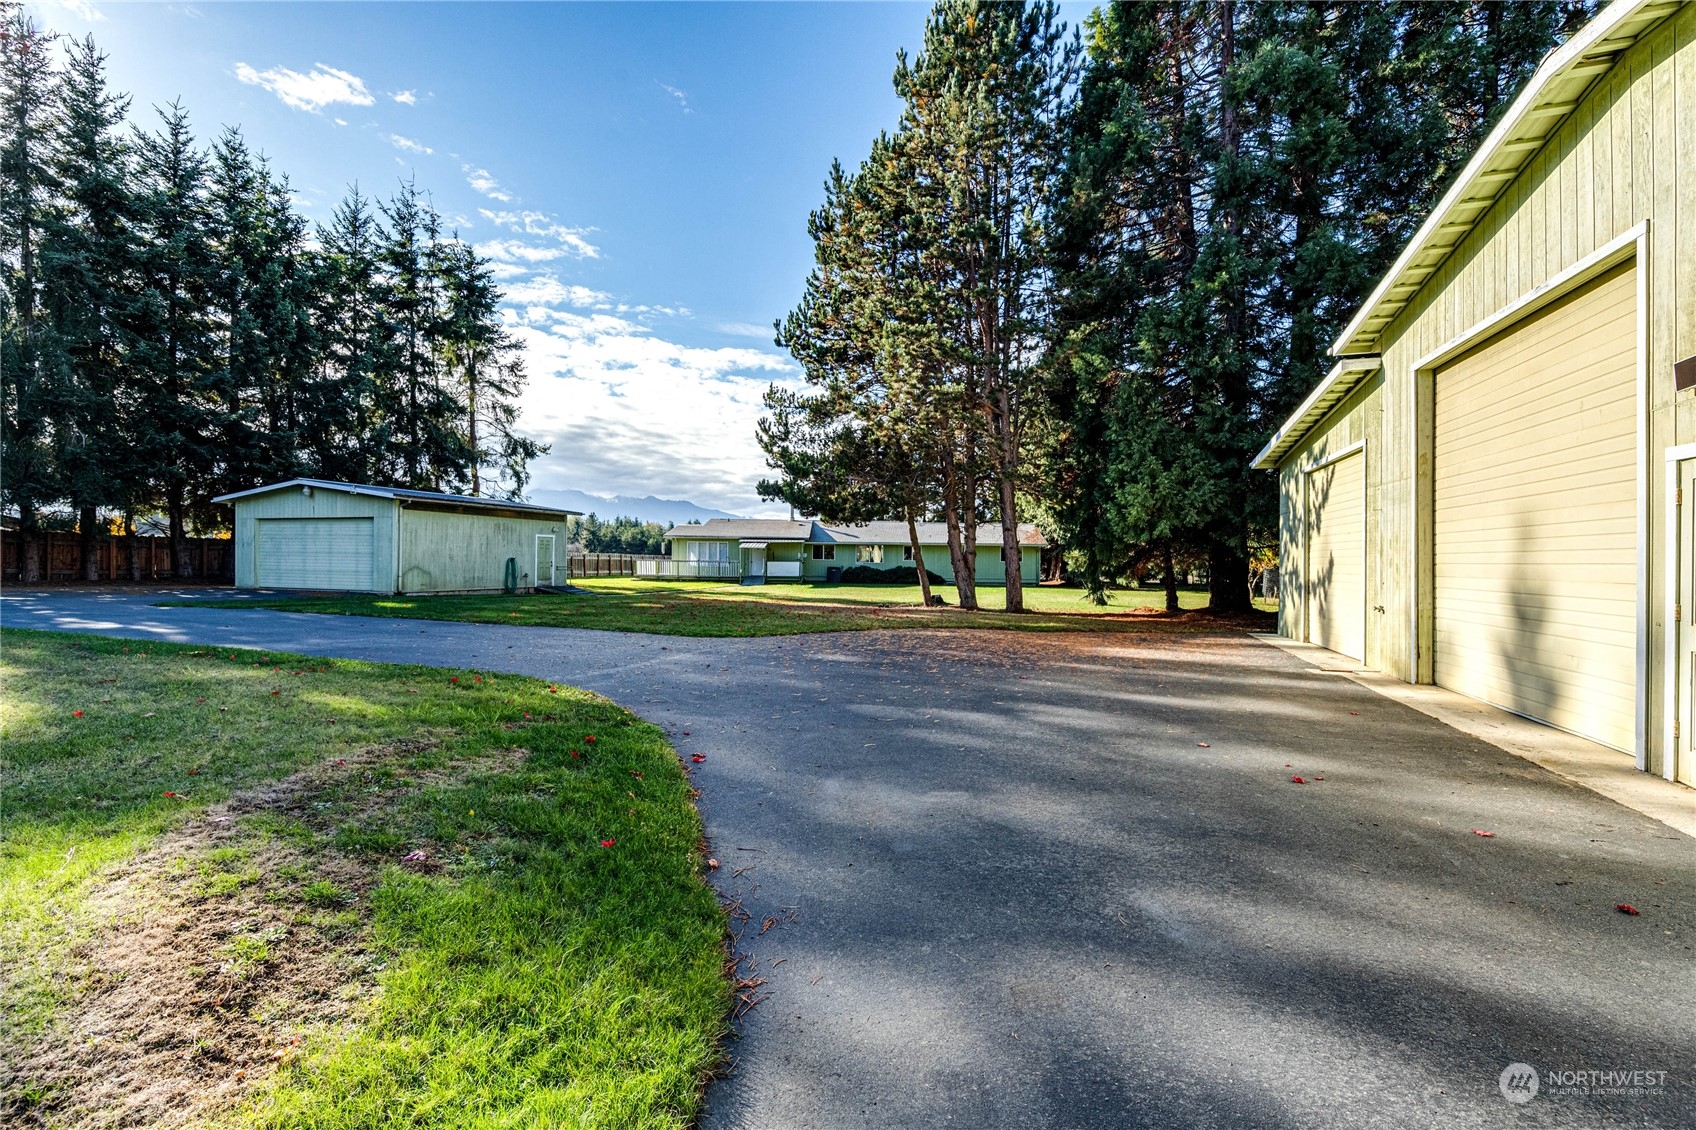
1336, 555
314, 553
1535, 533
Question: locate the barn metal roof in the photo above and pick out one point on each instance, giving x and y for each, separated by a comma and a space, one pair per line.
1554, 91
404, 495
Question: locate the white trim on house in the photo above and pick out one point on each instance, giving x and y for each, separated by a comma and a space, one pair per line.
1343, 378
1672, 457
1555, 90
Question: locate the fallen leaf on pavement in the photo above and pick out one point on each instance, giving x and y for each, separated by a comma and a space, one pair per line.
1626, 908
1298, 781
1486, 835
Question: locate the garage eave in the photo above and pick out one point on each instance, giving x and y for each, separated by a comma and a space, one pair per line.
1555, 90
1343, 378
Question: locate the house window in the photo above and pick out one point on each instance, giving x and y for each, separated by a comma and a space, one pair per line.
824, 553
706, 551
869, 553
906, 553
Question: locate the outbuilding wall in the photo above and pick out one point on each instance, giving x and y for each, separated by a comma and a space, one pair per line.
1624, 157
447, 551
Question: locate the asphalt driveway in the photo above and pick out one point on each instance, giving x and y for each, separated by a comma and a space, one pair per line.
1023, 881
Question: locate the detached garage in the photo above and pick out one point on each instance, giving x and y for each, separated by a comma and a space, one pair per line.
1486, 492
319, 535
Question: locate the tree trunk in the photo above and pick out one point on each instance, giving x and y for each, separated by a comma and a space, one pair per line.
129, 543
1171, 580
29, 547
182, 567
962, 556
1011, 560
918, 557
86, 518
1227, 581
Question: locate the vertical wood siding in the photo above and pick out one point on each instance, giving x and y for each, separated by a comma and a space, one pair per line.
1626, 155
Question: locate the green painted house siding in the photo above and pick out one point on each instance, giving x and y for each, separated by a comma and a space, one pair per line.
989, 570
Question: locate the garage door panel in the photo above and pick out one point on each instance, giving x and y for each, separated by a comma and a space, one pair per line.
315, 553
1534, 516
1335, 510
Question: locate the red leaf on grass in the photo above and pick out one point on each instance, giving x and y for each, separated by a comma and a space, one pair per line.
697, 758
276, 692
574, 753
76, 714
454, 679
637, 773
341, 761
590, 738
173, 796
1486, 835
416, 856
1625, 908
1297, 781
608, 843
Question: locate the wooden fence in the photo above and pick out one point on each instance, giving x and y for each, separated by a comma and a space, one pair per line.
210, 559
606, 564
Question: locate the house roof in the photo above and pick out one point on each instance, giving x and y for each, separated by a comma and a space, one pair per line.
405, 495
1554, 91
864, 533
735, 529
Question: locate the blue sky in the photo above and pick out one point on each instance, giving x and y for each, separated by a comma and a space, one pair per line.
640, 173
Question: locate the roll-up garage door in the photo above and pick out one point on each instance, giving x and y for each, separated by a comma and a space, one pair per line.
1336, 555
1535, 532
314, 553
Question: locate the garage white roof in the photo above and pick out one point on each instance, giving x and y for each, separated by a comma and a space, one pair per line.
404, 495
1555, 90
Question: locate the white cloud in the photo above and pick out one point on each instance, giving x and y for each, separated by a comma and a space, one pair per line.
321, 86
681, 96
628, 412
507, 270
546, 290
540, 223
517, 251
405, 97
745, 329
82, 10
483, 182
409, 145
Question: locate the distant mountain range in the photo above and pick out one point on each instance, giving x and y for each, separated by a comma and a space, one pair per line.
666, 511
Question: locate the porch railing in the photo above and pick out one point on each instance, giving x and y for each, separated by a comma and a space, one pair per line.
666, 568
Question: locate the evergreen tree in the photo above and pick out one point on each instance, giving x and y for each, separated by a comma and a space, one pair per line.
27, 469
87, 265
176, 353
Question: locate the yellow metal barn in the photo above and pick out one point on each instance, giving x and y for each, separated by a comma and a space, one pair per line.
321, 535
1493, 490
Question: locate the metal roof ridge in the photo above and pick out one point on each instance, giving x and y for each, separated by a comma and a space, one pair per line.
1567, 60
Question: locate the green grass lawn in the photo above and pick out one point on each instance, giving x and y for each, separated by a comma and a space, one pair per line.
704, 608
277, 891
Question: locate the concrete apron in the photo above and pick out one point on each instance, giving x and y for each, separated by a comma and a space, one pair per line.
1583, 762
